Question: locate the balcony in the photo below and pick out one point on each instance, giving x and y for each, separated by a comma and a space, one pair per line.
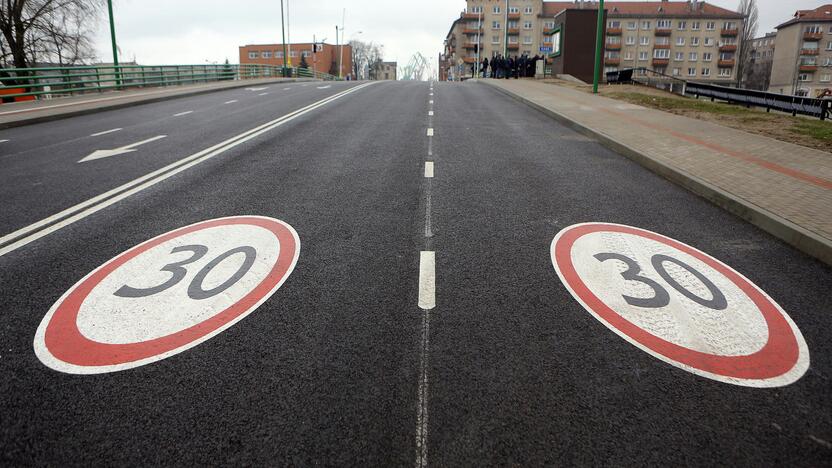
664, 32
471, 16
730, 32
661, 46
470, 60
613, 46
808, 68
513, 46
470, 45
614, 31
728, 48
514, 31
612, 61
660, 62
812, 36
472, 31
809, 52
726, 63
514, 16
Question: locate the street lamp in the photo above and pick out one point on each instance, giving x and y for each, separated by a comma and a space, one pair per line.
113, 38
599, 38
283, 32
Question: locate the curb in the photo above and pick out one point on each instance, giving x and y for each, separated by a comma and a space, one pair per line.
124, 105
793, 234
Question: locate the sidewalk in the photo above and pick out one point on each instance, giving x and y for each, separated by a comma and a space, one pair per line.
26, 113
783, 188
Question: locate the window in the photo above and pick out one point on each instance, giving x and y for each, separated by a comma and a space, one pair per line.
680, 41
814, 29
476, 9
709, 42
513, 39
496, 9
527, 25
725, 72
642, 56
730, 25
645, 25
662, 41
804, 77
495, 25
694, 25
694, 42
706, 72
527, 10
726, 56
682, 25
707, 57
810, 46
710, 25
664, 24
614, 24
693, 57
512, 9
828, 62
729, 41
632, 25
691, 72
513, 25
677, 71
306, 53
829, 45
613, 40
613, 54
278, 54
628, 55
610, 69
293, 54
267, 55
631, 40
645, 40
253, 55
661, 54
680, 56
549, 25
495, 39
825, 78
547, 39
527, 39
830, 29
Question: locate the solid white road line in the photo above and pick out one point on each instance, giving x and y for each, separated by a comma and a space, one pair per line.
100, 154
286, 89
231, 101
183, 113
429, 169
422, 396
106, 132
430, 132
325, 87
430, 113
44, 227
427, 280
263, 94
57, 106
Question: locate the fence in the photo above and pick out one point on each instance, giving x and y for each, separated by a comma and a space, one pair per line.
782, 102
46, 83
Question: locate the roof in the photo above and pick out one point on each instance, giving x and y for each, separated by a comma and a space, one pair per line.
453, 25
821, 13
677, 9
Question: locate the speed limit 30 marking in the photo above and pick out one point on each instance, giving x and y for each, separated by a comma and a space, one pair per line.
680, 305
167, 295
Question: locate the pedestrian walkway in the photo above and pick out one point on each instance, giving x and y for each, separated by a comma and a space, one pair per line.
783, 188
25, 113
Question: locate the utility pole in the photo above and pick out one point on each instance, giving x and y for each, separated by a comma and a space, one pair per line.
505, 47
599, 42
289, 33
479, 43
283, 32
337, 44
113, 38
341, 59
314, 56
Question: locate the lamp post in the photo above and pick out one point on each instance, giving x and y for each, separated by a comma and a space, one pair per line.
505, 48
283, 31
599, 38
341, 55
113, 39
289, 33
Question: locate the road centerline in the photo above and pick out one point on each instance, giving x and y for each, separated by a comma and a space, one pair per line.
106, 132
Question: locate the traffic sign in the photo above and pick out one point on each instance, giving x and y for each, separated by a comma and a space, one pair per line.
546, 49
680, 305
167, 295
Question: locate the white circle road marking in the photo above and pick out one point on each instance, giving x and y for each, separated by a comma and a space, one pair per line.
167, 295
680, 305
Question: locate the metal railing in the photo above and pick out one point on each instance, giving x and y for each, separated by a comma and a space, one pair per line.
820, 108
46, 83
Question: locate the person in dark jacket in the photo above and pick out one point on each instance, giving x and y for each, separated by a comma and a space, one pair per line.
485, 67
509, 67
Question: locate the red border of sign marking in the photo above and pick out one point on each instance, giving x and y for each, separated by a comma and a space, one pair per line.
783, 359
59, 337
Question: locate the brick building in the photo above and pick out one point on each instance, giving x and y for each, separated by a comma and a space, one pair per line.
326, 59
690, 39
802, 62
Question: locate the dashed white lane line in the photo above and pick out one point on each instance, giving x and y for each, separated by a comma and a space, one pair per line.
183, 113
431, 101
106, 132
427, 280
230, 102
430, 132
287, 89
325, 87
429, 169
263, 94
430, 113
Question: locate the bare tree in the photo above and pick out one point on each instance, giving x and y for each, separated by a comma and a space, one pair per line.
47, 30
749, 10
366, 54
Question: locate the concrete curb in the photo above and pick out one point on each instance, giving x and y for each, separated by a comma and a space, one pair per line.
124, 105
793, 234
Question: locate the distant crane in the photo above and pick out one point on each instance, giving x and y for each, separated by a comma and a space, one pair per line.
417, 69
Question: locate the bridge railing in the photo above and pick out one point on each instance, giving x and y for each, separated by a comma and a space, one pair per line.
45, 83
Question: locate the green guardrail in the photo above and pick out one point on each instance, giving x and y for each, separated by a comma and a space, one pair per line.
62, 81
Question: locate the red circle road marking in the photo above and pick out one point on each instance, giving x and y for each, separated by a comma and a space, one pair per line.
778, 357
59, 336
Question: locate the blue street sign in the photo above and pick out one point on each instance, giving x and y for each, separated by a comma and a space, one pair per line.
545, 49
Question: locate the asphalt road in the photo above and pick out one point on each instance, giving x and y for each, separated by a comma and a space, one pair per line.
341, 366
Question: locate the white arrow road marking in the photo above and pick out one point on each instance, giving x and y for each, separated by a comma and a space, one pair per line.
100, 154
256, 89
3, 141
325, 87
183, 113
231, 101
106, 132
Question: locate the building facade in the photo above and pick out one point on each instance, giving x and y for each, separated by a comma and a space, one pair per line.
802, 63
386, 71
325, 60
690, 39
760, 59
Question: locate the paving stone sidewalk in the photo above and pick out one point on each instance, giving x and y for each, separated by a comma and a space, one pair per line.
784, 188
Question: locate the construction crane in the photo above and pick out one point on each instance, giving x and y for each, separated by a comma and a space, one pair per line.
417, 69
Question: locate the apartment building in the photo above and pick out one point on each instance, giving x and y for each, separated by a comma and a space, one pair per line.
690, 39
760, 59
325, 60
385, 71
802, 62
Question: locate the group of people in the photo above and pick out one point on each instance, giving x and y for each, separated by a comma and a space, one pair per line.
507, 67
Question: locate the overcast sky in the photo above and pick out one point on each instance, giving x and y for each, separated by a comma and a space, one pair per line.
196, 31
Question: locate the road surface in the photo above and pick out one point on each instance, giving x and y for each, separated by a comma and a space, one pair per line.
424, 322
